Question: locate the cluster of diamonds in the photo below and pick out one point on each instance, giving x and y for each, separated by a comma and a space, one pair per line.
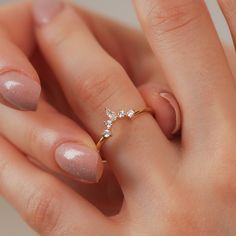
112, 117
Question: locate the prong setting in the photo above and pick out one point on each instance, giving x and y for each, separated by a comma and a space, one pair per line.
108, 124
112, 117
130, 113
121, 114
107, 133
111, 114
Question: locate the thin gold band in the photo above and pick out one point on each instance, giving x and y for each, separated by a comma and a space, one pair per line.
131, 114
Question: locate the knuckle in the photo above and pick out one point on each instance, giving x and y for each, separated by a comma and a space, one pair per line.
97, 88
60, 36
165, 19
43, 210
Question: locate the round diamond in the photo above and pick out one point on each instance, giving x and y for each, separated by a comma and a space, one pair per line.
108, 124
130, 113
107, 133
121, 114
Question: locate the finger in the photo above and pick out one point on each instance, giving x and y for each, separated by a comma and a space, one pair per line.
130, 48
167, 111
127, 45
92, 80
42, 200
228, 8
116, 34
19, 83
20, 27
54, 140
184, 40
106, 195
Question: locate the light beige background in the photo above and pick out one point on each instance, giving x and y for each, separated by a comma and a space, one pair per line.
10, 222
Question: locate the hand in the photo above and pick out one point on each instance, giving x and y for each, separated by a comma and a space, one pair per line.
185, 188
39, 134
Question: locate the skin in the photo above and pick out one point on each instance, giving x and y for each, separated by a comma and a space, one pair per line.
184, 188
38, 134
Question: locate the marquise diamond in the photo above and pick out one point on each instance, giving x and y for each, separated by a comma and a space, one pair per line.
111, 114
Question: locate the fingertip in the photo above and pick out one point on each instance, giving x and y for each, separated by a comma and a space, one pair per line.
165, 106
45, 10
79, 162
19, 90
173, 105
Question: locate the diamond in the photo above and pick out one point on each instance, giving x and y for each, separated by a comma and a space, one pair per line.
108, 124
130, 113
106, 133
111, 114
121, 114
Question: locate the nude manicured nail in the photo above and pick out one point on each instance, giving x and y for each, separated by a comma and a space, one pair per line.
19, 90
45, 10
173, 103
79, 161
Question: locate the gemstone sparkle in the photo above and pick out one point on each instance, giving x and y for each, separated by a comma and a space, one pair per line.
130, 113
121, 114
108, 124
111, 114
107, 133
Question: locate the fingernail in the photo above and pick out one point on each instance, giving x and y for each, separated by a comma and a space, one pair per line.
45, 10
19, 90
174, 105
80, 162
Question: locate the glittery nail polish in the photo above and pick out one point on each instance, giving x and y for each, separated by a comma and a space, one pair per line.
79, 161
19, 90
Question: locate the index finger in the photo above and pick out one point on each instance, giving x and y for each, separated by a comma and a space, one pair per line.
19, 82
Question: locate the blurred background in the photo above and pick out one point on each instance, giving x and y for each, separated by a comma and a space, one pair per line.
10, 222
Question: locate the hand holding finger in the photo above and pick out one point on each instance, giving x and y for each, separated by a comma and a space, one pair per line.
167, 190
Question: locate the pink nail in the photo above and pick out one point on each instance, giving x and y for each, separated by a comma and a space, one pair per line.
172, 101
19, 90
45, 10
80, 162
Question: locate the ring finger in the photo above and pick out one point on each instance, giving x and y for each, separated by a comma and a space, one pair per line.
130, 48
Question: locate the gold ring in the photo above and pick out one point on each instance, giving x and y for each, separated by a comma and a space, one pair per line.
113, 117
